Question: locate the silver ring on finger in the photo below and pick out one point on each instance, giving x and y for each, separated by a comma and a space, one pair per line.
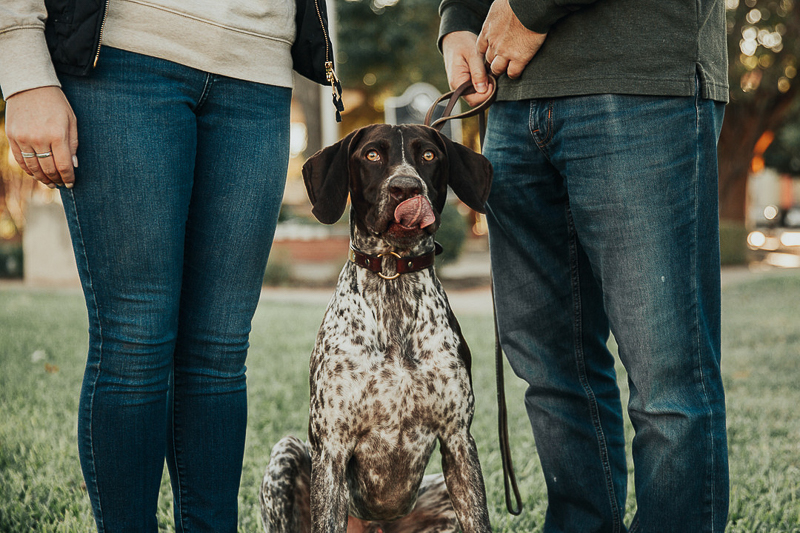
28, 155
44, 155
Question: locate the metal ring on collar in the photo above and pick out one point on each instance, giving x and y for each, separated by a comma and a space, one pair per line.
381, 274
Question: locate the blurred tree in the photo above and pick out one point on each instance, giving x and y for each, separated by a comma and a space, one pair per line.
764, 52
386, 45
784, 153
16, 189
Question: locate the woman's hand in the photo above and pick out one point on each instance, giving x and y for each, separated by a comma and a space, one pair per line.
43, 136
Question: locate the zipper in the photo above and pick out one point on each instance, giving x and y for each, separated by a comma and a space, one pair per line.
325, 33
330, 74
100, 37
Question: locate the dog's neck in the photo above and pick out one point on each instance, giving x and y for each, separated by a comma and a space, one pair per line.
369, 244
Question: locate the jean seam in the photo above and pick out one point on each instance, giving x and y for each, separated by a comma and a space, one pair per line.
206, 91
550, 131
90, 290
533, 129
178, 493
581, 367
695, 291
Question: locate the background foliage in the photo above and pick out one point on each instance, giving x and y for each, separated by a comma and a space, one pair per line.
764, 51
386, 45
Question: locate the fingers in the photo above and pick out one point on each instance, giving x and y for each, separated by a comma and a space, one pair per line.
505, 43
477, 69
458, 49
63, 165
463, 63
52, 166
42, 133
29, 159
20, 156
499, 64
512, 67
482, 44
515, 68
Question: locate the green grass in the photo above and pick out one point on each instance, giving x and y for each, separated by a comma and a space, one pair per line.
42, 351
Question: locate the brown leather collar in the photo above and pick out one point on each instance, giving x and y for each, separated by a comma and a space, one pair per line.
403, 265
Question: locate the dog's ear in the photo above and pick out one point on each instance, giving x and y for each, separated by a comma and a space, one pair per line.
326, 175
470, 175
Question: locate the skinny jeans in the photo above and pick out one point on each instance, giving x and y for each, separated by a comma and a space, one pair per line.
603, 217
180, 181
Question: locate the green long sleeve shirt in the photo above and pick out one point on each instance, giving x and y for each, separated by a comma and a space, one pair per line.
640, 47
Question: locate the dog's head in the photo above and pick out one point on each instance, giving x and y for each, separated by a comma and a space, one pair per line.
397, 179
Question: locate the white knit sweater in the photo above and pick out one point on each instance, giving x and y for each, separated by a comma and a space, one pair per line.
244, 39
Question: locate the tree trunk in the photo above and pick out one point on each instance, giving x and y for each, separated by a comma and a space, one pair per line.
744, 124
307, 93
740, 132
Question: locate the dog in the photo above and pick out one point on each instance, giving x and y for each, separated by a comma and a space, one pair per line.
390, 370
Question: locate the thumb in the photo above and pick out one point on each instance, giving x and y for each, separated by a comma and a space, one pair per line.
477, 70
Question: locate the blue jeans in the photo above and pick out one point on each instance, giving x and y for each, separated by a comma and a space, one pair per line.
172, 216
603, 217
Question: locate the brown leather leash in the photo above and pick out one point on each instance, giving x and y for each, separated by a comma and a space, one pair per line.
452, 97
509, 477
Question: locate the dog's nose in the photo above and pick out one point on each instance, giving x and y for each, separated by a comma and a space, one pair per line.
404, 187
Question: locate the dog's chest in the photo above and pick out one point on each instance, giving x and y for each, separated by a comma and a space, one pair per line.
385, 356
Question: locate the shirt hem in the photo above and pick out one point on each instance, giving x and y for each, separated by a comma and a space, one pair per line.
554, 88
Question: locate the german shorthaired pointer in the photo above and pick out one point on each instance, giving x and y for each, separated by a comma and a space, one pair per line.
390, 371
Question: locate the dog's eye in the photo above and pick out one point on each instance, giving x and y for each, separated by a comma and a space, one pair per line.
373, 155
428, 155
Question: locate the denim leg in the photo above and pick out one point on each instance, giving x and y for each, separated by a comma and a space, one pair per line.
240, 171
638, 178
155, 245
551, 332
126, 216
644, 198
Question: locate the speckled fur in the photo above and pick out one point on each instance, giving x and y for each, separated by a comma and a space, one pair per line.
390, 371
285, 498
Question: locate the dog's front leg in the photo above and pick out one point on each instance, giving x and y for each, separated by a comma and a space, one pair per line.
462, 474
329, 493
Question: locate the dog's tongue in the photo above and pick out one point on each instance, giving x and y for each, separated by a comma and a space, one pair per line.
415, 211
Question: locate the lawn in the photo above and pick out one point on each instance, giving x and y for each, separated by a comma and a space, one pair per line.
43, 342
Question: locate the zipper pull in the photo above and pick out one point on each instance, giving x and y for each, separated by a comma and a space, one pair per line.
336, 89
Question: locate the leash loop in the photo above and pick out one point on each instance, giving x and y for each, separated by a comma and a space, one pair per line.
465, 89
509, 477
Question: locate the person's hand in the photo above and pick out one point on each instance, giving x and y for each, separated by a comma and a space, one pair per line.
507, 45
43, 136
463, 63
